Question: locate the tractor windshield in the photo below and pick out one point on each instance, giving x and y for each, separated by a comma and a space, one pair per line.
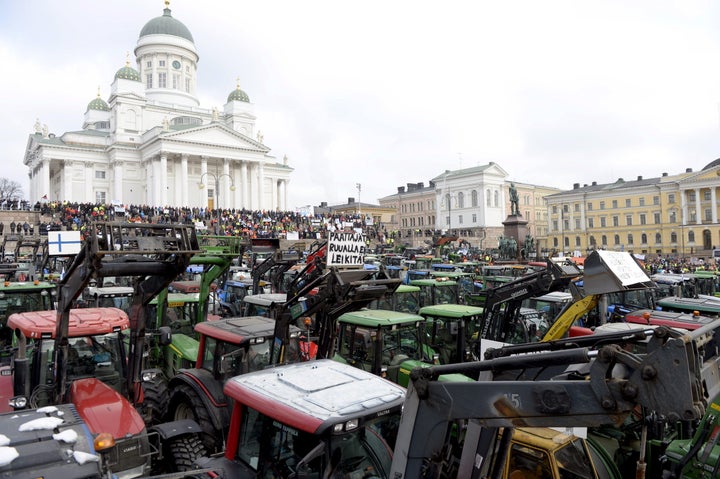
574, 461
274, 449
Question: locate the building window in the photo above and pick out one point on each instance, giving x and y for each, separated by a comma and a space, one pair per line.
614, 204
554, 209
565, 208
592, 240
628, 202
643, 238
148, 80
576, 207
474, 218
149, 64
187, 68
630, 239
671, 197
672, 217
187, 85
628, 220
555, 225
555, 242
589, 206
602, 205
603, 223
616, 221
577, 241
100, 197
656, 200
691, 196
162, 63
706, 195
162, 80
673, 237
99, 174
658, 238
691, 236
447, 220
641, 202
176, 82
474, 198
708, 214
461, 200
577, 223
460, 219
617, 239
566, 242
566, 225
656, 218
496, 197
604, 240
591, 222
643, 219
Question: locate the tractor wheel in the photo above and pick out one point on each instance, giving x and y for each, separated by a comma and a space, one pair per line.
184, 451
156, 400
185, 404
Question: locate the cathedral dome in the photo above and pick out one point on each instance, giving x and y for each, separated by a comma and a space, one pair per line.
238, 95
166, 25
98, 104
127, 73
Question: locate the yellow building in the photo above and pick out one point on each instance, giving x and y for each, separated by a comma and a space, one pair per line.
670, 215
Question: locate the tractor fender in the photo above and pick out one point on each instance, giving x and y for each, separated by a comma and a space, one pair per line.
169, 430
210, 392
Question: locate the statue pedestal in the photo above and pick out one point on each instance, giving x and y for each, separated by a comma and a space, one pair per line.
516, 227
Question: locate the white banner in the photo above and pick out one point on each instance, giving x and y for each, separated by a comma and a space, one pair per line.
346, 249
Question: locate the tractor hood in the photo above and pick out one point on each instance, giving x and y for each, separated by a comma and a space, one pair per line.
104, 409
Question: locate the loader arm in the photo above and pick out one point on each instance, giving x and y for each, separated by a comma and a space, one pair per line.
152, 254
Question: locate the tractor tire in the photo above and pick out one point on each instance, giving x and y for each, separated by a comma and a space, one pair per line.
185, 404
155, 401
184, 451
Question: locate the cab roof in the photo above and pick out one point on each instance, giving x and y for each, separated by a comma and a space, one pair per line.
543, 437
314, 395
239, 330
451, 310
378, 317
83, 322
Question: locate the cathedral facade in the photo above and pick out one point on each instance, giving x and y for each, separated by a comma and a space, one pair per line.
153, 143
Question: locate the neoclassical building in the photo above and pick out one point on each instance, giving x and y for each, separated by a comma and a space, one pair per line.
153, 143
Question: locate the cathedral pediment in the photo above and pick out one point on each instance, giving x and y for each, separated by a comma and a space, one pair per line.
214, 134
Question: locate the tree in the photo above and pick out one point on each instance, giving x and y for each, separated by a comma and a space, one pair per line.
10, 190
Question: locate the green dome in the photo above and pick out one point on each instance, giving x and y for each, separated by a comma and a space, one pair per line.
166, 25
127, 73
238, 95
98, 104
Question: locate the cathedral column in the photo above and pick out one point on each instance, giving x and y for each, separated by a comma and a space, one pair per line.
283, 205
149, 179
117, 193
244, 186
45, 178
713, 200
163, 180
185, 186
683, 207
274, 195
89, 182
698, 209
261, 184
225, 184
67, 179
31, 177
203, 179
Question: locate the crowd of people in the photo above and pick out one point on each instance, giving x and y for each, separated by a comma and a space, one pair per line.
67, 216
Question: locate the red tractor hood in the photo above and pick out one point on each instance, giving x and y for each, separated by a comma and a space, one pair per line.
104, 409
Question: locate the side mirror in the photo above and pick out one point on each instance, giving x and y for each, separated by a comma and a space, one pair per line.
164, 335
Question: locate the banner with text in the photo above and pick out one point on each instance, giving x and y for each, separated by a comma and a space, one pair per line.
345, 248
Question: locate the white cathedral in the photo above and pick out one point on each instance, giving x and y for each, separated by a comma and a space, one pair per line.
152, 143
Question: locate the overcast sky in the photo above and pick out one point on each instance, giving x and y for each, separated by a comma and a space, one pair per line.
384, 93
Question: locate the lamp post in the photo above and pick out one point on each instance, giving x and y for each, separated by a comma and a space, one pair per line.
216, 200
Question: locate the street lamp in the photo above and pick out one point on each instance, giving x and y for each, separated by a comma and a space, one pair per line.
216, 202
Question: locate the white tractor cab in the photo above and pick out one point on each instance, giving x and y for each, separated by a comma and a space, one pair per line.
311, 419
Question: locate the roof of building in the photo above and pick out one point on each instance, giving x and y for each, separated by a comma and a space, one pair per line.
98, 104
127, 73
166, 25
